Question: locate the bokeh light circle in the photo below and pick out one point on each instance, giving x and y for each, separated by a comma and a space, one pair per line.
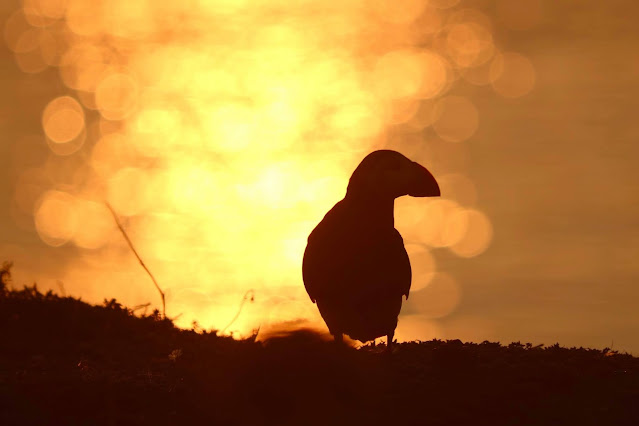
399, 74
56, 218
469, 44
439, 299
63, 119
97, 224
128, 191
459, 188
478, 235
116, 96
432, 228
436, 76
403, 12
81, 18
457, 118
422, 264
13, 29
83, 65
512, 75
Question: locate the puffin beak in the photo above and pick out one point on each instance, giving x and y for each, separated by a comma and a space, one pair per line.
423, 184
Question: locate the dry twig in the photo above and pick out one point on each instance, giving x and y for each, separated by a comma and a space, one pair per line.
128, 240
250, 292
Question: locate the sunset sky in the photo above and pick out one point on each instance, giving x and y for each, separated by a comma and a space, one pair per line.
222, 131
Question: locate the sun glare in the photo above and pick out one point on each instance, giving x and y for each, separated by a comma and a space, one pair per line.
221, 131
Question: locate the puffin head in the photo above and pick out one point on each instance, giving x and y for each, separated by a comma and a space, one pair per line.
388, 174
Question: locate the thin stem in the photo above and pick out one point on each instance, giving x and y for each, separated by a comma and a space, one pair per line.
128, 240
239, 311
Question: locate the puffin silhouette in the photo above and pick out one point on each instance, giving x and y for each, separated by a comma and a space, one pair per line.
355, 266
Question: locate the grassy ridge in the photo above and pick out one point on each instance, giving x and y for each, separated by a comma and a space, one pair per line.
63, 361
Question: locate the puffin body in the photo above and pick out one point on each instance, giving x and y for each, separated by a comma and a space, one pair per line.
355, 265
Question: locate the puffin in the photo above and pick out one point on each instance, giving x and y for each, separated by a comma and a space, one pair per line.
355, 266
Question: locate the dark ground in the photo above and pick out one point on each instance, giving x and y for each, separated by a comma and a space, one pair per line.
63, 361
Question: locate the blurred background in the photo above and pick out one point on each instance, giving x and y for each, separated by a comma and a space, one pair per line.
222, 131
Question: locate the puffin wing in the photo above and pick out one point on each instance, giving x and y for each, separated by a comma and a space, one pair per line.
399, 265
325, 256
344, 260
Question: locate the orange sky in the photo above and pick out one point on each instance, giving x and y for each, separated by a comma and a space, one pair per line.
222, 133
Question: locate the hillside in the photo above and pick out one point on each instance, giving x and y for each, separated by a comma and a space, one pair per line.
63, 361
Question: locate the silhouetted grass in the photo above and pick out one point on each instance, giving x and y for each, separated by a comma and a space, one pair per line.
63, 361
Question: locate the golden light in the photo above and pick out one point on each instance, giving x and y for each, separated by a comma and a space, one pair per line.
220, 148
192, 188
399, 12
417, 327
469, 44
456, 120
29, 188
81, 18
288, 310
128, 19
109, 153
428, 222
477, 236
444, 4
27, 50
97, 225
155, 129
435, 78
423, 266
398, 74
13, 29
443, 230
424, 116
63, 119
116, 96
439, 299
512, 75
459, 188
478, 75
516, 17
408, 214
63, 123
35, 15
424, 307
50, 49
232, 127
402, 111
55, 218
53, 9
454, 227
82, 65
128, 191
28, 40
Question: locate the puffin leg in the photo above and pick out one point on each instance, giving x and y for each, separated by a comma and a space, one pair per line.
339, 338
389, 341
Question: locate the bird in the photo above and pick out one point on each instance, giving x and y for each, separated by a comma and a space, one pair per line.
355, 266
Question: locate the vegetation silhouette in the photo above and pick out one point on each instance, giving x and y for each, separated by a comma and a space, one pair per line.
63, 361
355, 265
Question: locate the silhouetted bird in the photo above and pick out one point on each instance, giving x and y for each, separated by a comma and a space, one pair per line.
355, 265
